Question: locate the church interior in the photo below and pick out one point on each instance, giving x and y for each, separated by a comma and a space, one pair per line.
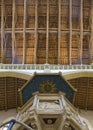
46, 59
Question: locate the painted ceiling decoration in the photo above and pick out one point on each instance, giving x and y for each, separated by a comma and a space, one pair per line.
47, 86
46, 83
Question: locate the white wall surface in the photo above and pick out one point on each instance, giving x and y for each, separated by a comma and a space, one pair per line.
6, 114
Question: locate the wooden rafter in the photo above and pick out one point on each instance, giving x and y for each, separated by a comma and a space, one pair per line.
36, 33
6, 107
24, 32
70, 27
13, 31
81, 30
91, 49
59, 29
47, 31
16, 92
2, 30
86, 103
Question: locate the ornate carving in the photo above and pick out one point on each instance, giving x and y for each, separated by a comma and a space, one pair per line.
47, 87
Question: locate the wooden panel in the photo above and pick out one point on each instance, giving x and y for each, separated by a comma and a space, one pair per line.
42, 10
19, 49
52, 54
19, 2
2, 93
64, 52
64, 40
74, 53
8, 95
64, 56
53, 49
53, 15
75, 41
19, 22
41, 61
74, 2
75, 58
86, 14
11, 93
29, 59
85, 53
81, 89
76, 17
64, 61
12, 85
19, 14
64, 14
41, 40
53, 2
90, 94
30, 22
53, 39
64, 49
53, 21
42, 2
29, 51
30, 40
64, 22
84, 95
64, 11
41, 54
19, 40
8, 2
31, 2
41, 51
19, 10
8, 48
42, 22
53, 10
87, 3
65, 2
8, 10
31, 10
20, 83
19, 52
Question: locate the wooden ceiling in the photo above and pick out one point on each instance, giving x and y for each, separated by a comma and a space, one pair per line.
46, 31
84, 94
9, 96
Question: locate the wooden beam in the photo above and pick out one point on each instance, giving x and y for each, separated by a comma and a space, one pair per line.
70, 27
44, 31
2, 30
86, 102
78, 90
81, 30
6, 107
24, 32
36, 33
16, 92
91, 40
13, 31
59, 29
31, 31
47, 31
